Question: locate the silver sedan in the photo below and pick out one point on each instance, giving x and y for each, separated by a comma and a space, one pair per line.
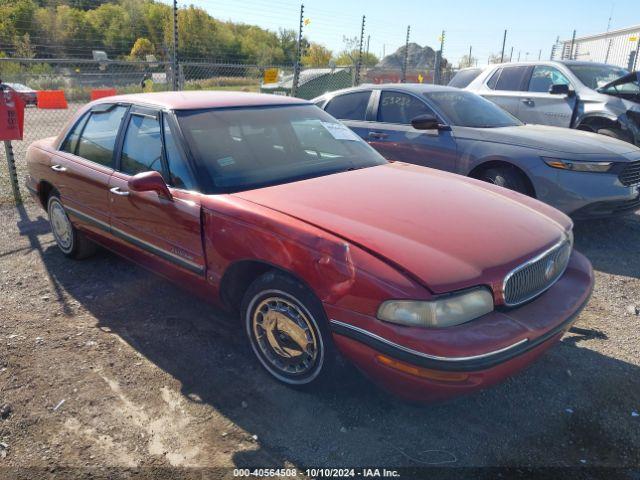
583, 174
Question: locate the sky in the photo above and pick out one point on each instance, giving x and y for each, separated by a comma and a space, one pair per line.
531, 25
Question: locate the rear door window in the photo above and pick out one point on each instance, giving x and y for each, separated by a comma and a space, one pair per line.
400, 108
511, 79
350, 106
98, 138
70, 144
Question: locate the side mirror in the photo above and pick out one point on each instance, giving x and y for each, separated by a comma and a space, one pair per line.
150, 182
427, 122
560, 89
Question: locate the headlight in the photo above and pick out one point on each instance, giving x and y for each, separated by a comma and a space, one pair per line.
578, 166
442, 312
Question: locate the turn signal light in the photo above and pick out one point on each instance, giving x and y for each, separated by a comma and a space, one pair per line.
421, 372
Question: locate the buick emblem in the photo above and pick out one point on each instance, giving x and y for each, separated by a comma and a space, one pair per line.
550, 269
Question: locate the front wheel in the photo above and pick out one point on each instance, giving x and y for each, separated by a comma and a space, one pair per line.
288, 330
507, 178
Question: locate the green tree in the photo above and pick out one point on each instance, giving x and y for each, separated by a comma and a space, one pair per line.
113, 27
316, 56
467, 61
23, 47
348, 58
141, 49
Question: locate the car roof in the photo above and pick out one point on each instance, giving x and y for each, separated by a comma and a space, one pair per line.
192, 100
416, 88
547, 62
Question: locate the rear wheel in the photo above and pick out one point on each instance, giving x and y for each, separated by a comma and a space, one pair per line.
288, 330
616, 133
74, 244
506, 177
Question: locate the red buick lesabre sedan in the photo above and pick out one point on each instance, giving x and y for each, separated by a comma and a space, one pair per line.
432, 284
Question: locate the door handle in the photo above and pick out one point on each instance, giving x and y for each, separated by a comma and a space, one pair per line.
58, 168
377, 135
117, 191
528, 102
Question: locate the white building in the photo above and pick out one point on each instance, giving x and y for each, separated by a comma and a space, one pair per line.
617, 47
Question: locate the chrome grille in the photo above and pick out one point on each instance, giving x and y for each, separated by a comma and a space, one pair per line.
538, 274
630, 175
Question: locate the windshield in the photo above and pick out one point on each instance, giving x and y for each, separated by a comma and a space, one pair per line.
466, 109
243, 148
629, 89
596, 76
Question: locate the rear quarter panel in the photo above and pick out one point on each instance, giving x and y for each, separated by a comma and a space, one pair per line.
39, 163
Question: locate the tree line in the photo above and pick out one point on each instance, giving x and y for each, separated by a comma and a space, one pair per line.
134, 29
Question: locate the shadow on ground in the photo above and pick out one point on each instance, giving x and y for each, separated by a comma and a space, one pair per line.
573, 407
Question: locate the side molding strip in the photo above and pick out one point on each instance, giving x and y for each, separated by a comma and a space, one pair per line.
164, 254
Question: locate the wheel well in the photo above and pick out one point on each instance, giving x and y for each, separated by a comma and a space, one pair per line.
593, 124
237, 278
477, 172
44, 191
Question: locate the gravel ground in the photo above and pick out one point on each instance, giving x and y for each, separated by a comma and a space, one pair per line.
103, 364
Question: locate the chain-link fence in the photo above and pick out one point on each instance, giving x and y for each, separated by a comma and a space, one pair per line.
80, 80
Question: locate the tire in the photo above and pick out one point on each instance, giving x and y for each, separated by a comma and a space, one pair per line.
508, 178
73, 243
279, 314
616, 133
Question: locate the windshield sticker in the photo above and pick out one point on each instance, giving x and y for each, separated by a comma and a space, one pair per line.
339, 131
226, 161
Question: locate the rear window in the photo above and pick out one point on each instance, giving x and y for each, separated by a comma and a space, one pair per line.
464, 77
511, 79
350, 106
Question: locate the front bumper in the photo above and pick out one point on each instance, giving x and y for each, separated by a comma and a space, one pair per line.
583, 194
459, 360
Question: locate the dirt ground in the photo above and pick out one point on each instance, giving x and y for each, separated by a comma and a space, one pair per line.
104, 365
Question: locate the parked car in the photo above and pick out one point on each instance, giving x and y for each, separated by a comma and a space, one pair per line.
595, 97
29, 96
583, 174
433, 284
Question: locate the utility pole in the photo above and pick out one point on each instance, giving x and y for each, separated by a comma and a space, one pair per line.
504, 43
438, 72
406, 56
356, 80
540, 55
175, 82
470, 61
296, 65
511, 56
518, 55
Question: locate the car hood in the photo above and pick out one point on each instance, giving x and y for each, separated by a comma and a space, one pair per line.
548, 139
443, 230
